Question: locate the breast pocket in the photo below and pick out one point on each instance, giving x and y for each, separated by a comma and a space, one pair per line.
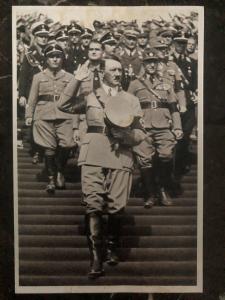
45, 87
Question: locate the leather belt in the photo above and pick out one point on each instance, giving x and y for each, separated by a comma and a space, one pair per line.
50, 98
154, 104
97, 129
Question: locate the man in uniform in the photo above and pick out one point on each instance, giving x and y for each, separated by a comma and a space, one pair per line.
106, 154
33, 63
74, 31
52, 129
188, 67
85, 40
169, 69
81, 88
163, 125
131, 57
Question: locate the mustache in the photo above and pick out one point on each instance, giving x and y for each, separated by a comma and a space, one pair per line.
118, 77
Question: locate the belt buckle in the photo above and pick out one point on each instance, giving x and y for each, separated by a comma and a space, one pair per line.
154, 104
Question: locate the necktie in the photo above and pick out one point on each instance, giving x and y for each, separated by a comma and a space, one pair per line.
96, 81
110, 92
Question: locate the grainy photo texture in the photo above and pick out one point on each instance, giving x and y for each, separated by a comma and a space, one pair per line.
108, 143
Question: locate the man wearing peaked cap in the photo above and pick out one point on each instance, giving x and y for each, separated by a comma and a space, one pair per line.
167, 33
113, 119
143, 40
131, 57
85, 39
62, 38
33, 63
75, 54
188, 67
109, 44
39, 28
52, 129
163, 125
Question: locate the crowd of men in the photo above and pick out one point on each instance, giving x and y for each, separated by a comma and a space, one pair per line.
124, 94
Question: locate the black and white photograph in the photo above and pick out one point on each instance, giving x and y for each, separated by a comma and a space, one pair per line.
108, 149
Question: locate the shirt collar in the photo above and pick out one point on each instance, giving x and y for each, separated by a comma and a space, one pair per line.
110, 91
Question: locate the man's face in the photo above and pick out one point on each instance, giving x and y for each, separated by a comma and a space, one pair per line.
130, 42
191, 45
85, 41
142, 41
150, 66
180, 47
95, 51
63, 43
110, 48
41, 40
54, 61
74, 37
162, 52
113, 72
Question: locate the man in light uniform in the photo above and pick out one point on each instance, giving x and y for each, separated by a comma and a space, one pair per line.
52, 129
106, 153
163, 125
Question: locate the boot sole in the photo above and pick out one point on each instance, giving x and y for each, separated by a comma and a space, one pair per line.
96, 274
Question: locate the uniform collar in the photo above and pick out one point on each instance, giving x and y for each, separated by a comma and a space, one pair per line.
58, 75
130, 52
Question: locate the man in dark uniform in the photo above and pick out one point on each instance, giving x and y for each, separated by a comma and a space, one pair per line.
143, 40
74, 31
163, 125
188, 67
131, 57
52, 129
33, 63
85, 40
113, 128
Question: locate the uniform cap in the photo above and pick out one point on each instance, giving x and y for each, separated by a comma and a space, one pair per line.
158, 42
150, 55
107, 38
98, 24
181, 37
118, 112
143, 33
87, 32
131, 32
74, 27
39, 28
53, 48
62, 34
167, 31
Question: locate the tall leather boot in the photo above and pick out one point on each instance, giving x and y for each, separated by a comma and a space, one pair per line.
165, 181
50, 168
147, 177
93, 223
114, 228
62, 156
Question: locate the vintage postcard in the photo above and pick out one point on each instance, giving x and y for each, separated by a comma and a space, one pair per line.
108, 149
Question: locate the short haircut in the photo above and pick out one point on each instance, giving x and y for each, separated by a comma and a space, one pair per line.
95, 41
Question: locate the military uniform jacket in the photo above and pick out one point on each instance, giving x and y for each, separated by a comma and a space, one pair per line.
76, 57
173, 73
32, 64
46, 84
188, 67
161, 117
135, 60
96, 148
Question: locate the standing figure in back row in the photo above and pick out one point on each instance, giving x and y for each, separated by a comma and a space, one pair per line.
163, 125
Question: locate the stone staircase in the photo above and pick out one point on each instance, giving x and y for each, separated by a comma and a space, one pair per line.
158, 245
